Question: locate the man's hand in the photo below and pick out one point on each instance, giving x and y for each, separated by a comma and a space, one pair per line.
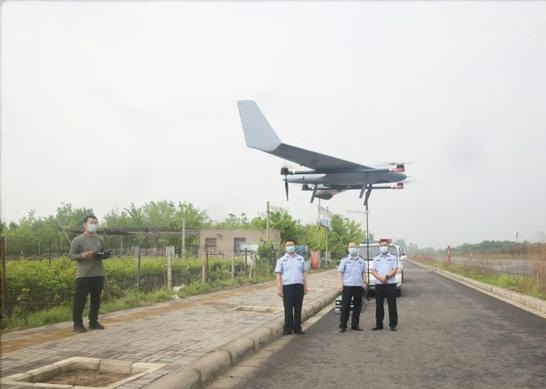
305, 290
87, 255
279, 291
365, 285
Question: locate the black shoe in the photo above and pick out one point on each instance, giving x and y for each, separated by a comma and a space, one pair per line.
79, 328
377, 328
300, 332
96, 326
342, 329
356, 329
393, 329
287, 332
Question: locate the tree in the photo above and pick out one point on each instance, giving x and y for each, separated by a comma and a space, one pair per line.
233, 222
343, 231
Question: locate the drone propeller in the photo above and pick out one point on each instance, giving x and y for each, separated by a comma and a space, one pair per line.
285, 172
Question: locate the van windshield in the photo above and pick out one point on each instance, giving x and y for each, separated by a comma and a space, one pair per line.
374, 251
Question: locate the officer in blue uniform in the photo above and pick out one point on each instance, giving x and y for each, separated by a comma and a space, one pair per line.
351, 269
291, 286
385, 268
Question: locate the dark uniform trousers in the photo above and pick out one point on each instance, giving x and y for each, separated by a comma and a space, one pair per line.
85, 286
292, 300
351, 293
388, 291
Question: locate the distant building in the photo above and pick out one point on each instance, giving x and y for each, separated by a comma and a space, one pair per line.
227, 243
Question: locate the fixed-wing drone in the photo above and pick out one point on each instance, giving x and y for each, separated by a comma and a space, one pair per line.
327, 176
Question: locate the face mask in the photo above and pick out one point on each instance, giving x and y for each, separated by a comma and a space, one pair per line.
91, 228
291, 249
353, 251
384, 249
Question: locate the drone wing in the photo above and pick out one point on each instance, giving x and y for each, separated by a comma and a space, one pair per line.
261, 136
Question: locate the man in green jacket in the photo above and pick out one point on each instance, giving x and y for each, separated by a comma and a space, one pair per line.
88, 250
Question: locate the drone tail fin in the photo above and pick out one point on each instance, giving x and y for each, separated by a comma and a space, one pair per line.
258, 132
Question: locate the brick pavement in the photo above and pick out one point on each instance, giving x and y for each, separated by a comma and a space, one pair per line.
175, 333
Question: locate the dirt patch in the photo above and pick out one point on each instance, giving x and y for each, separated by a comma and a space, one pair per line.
83, 377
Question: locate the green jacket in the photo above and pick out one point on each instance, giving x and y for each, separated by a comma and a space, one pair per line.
87, 267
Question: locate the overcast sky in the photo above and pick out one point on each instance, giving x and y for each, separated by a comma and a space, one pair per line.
108, 103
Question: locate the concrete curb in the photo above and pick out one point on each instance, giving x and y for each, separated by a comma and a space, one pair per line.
528, 303
209, 366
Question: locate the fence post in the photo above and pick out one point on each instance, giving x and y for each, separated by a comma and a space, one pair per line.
233, 267
205, 269
169, 270
183, 247
4, 286
138, 271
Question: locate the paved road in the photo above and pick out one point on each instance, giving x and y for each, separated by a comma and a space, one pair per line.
450, 336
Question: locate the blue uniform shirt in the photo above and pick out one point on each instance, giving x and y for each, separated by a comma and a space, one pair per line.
291, 268
384, 263
353, 269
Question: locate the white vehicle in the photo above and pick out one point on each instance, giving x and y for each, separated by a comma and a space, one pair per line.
374, 251
370, 279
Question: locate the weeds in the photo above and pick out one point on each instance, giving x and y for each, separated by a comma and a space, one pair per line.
22, 320
479, 271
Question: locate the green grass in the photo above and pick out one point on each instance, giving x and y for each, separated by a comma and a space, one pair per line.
530, 286
18, 320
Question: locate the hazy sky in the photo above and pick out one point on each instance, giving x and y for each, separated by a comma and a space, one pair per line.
108, 103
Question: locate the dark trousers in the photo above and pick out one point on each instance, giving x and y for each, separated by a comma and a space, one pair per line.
388, 291
350, 293
292, 300
85, 286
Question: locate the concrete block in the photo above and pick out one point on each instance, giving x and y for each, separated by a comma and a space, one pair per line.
20, 377
261, 337
184, 378
115, 366
276, 327
317, 307
44, 373
85, 363
239, 348
212, 364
